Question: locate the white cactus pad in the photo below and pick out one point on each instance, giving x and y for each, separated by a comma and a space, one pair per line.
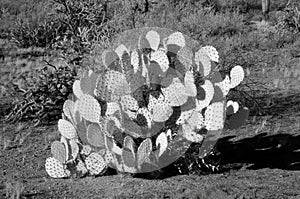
162, 111
203, 62
111, 86
129, 102
153, 38
58, 151
237, 75
211, 52
196, 120
66, 129
112, 108
175, 94
77, 89
176, 38
135, 60
68, 109
89, 108
120, 50
161, 143
189, 83
214, 116
55, 168
161, 58
95, 164
184, 116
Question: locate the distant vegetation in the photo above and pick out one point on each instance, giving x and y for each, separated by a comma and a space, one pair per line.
78, 31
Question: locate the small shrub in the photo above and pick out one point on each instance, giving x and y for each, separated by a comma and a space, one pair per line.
42, 100
289, 19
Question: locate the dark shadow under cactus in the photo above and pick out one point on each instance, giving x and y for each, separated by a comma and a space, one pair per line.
279, 151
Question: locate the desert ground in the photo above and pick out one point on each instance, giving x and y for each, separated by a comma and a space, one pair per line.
261, 159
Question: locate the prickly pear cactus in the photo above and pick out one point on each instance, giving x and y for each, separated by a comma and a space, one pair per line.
154, 98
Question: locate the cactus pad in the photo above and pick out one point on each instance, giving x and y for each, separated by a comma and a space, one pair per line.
237, 75
66, 129
161, 143
95, 135
89, 108
55, 168
144, 151
153, 39
58, 151
214, 116
95, 164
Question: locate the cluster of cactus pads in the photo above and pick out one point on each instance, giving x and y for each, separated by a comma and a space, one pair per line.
150, 96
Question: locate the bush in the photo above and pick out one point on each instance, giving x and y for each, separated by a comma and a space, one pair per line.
42, 100
289, 18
